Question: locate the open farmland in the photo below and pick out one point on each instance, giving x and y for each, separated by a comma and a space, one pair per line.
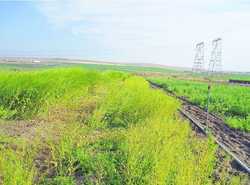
92, 65
147, 92
66, 126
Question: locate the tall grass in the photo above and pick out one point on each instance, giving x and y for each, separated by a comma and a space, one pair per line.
158, 146
134, 103
23, 94
16, 167
124, 132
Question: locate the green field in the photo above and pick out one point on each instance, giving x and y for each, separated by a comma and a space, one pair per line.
70, 126
230, 102
147, 70
101, 67
96, 128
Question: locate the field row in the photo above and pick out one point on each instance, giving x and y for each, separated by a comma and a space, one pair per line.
230, 102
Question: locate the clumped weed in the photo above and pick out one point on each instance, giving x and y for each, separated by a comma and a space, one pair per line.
154, 159
16, 167
133, 103
85, 160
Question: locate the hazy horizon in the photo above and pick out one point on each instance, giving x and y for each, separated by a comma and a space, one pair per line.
145, 31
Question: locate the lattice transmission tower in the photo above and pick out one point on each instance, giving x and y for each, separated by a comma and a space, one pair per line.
215, 63
199, 59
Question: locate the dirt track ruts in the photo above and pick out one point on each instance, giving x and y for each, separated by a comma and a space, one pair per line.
237, 142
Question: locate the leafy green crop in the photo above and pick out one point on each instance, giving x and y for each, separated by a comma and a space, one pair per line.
230, 102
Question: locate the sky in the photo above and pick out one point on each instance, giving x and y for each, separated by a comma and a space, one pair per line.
133, 31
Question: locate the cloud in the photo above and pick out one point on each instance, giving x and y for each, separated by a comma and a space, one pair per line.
157, 31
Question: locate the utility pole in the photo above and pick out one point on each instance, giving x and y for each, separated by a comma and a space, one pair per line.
199, 62
215, 65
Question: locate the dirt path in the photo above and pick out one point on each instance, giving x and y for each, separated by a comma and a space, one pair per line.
238, 143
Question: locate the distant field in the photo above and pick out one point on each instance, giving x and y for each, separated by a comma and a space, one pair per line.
125, 68
27, 66
145, 70
240, 77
